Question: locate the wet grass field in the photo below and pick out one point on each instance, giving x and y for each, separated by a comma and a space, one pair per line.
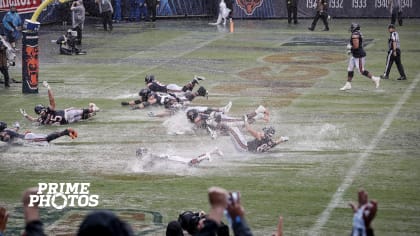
339, 141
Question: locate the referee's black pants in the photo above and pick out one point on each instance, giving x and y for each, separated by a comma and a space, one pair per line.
390, 60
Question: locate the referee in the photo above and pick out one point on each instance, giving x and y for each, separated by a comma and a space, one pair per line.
394, 54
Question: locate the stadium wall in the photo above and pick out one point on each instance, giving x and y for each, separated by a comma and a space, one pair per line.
337, 8
242, 9
267, 9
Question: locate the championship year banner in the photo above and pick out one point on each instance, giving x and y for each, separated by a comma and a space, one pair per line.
266, 9
337, 8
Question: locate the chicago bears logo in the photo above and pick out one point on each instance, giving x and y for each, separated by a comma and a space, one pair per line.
249, 6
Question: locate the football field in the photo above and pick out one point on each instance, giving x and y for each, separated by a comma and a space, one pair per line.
338, 143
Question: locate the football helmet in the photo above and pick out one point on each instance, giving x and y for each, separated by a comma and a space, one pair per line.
3, 125
192, 114
149, 79
39, 108
202, 91
144, 93
354, 27
269, 131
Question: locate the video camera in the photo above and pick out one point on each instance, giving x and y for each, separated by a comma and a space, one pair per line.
189, 221
68, 43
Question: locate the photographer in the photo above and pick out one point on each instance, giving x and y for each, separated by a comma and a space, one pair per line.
78, 19
67, 43
220, 201
193, 223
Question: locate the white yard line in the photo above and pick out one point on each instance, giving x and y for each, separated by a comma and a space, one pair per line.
356, 168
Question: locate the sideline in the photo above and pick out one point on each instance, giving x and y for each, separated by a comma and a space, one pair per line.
356, 168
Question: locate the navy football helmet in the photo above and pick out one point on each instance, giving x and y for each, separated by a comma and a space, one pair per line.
149, 79
144, 93
39, 108
192, 114
354, 27
3, 125
269, 131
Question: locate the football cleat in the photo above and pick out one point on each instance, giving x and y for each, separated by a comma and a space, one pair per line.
72, 133
260, 109
94, 107
347, 86
197, 78
402, 78
384, 77
284, 139
226, 108
376, 80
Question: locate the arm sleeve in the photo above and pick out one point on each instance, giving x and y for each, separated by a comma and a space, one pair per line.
240, 227
6, 22
14, 134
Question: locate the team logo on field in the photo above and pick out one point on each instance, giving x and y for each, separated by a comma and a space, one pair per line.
67, 221
61, 195
249, 6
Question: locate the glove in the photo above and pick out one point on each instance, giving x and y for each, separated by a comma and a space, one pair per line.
212, 133
46, 85
23, 112
348, 48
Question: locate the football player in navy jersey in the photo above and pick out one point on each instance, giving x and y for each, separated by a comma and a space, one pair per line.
169, 100
185, 107
50, 116
156, 86
214, 121
358, 58
10, 135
